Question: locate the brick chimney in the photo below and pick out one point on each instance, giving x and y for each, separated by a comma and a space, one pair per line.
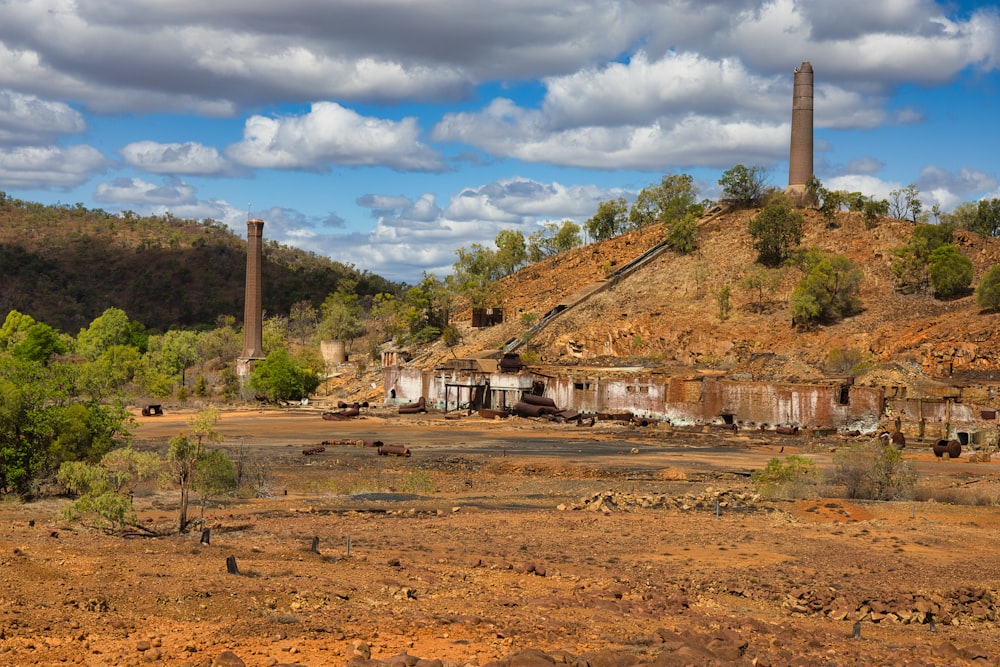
800, 155
253, 318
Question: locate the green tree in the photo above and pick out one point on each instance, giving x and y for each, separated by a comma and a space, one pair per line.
39, 344
828, 292
610, 220
723, 300
909, 263
341, 318
673, 198
950, 271
104, 490
302, 320
567, 237
112, 327
776, 231
904, 203
988, 292
982, 217
743, 186
511, 253
279, 377
15, 329
553, 239
762, 282
214, 476
185, 452
45, 420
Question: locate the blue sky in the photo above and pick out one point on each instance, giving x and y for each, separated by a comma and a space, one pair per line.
388, 133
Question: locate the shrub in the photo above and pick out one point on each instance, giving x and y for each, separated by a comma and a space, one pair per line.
790, 478
682, 233
828, 292
988, 292
875, 471
950, 271
776, 231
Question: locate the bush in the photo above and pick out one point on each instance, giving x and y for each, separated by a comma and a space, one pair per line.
988, 292
950, 271
828, 292
776, 231
790, 478
875, 471
682, 233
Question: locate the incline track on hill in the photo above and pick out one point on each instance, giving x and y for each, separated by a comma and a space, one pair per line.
582, 295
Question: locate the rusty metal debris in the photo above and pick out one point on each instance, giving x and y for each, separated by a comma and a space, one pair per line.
413, 408
393, 450
953, 448
346, 413
312, 451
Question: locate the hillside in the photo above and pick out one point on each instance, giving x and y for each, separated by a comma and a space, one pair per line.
667, 315
65, 265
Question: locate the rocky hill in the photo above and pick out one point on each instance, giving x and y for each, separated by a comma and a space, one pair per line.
65, 265
667, 313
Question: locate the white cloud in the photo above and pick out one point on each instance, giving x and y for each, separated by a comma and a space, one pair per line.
506, 130
216, 57
331, 134
27, 120
964, 180
174, 158
139, 192
937, 186
32, 167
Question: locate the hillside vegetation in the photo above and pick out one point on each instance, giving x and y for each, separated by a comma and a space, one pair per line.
668, 313
65, 265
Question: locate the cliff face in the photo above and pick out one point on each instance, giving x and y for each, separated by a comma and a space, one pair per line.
668, 314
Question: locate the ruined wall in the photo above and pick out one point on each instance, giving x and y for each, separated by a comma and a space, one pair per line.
932, 419
707, 400
412, 383
802, 405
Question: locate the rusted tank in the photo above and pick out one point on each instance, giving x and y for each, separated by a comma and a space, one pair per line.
543, 401
953, 448
152, 411
524, 409
787, 430
486, 413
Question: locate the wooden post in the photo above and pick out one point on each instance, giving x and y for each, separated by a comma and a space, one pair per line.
231, 565
206, 536
315, 546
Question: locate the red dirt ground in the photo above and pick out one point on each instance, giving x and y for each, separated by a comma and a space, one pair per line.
497, 536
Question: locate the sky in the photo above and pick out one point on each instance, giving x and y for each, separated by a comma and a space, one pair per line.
386, 134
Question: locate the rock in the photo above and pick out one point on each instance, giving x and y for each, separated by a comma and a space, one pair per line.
360, 649
227, 659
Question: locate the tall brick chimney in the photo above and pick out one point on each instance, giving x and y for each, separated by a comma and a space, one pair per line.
253, 317
800, 156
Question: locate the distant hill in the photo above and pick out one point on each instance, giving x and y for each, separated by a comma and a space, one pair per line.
666, 315
64, 265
